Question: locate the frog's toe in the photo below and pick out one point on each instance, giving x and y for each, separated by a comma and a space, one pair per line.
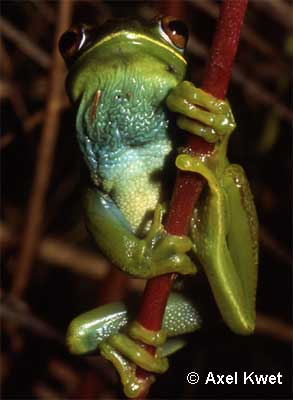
201, 113
180, 264
135, 353
174, 244
196, 128
132, 385
171, 255
197, 96
79, 341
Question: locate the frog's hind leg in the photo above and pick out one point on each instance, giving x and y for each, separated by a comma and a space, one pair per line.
225, 235
125, 353
106, 328
88, 330
180, 317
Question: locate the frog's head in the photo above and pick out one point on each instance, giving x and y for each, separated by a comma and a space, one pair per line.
151, 52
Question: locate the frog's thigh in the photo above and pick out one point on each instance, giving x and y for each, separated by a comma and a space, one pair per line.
242, 235
181, 316
88, 330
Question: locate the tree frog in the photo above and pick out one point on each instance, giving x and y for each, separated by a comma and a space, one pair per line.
125, 80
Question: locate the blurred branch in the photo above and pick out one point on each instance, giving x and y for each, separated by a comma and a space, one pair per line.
278, 10
247, 34
38, 117
6, 139
276, 248
44, 392
44, 162
261, 95
6, 63
16, 311
58, 253
10, 90
45, 10
24, 43
269, 326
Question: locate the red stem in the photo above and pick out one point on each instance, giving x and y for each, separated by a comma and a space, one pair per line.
188, 186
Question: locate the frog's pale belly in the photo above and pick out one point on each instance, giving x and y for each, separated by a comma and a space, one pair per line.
137, 199
133, 180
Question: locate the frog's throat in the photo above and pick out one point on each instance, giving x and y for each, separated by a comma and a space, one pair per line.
131, 36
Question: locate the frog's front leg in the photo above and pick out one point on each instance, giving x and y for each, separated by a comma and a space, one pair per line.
201, 113
106, 328
155, 254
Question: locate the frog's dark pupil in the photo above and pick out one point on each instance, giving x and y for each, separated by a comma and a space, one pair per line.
68, 42
179, 28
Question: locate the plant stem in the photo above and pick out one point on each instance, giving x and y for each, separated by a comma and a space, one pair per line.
188, 186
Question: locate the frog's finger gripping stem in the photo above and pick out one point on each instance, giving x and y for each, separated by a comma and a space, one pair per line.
189, 186
201, 113
125, 354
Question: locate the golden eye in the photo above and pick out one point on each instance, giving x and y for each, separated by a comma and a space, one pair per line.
73, 40
176, 30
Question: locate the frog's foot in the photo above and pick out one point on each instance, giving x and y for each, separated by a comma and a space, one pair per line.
125, 354
201, 113
161, 253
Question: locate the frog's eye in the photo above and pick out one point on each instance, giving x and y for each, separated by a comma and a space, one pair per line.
176, 30
72, 41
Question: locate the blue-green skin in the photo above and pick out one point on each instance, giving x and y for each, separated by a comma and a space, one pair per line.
120, 87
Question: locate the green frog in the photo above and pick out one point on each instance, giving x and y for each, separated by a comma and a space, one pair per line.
126, 82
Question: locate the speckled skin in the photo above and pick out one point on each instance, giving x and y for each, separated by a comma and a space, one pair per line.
126, 143
125, 138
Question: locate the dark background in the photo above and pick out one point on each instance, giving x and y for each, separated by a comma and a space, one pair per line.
60, 282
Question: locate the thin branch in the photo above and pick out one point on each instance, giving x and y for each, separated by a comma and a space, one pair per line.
38, 117
14, 310
24, 43
274, 246
247, 34
6, 139
278, 10
269, 326
10, 90
64, 255
45, 10
6, 63
34, 217
260, 94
